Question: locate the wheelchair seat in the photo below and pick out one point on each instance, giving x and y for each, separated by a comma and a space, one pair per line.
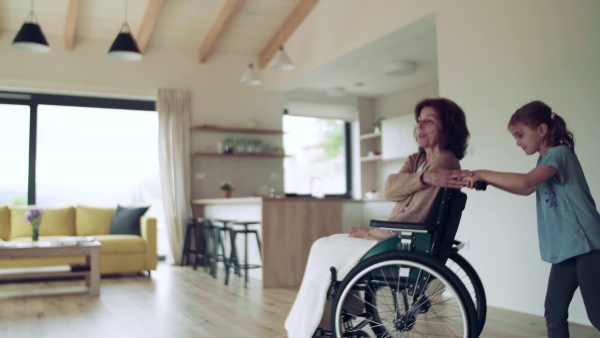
434, 237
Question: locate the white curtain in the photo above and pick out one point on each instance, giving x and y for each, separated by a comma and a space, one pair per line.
173, 108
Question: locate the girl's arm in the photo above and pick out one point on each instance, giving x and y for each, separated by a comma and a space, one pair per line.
521, 184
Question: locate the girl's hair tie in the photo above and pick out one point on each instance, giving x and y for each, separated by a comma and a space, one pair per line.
552, 115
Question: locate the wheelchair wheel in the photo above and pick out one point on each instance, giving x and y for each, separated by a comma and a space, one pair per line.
466, 273
402, 294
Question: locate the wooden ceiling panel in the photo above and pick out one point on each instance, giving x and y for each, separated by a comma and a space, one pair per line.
179, 23
219, 27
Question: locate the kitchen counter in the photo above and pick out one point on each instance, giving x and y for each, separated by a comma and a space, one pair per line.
289, 227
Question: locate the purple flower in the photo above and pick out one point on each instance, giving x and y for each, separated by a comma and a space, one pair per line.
33, 215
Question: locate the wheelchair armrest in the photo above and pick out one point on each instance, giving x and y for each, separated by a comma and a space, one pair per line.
399, 226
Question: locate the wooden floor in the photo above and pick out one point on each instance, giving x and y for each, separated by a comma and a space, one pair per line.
179, 302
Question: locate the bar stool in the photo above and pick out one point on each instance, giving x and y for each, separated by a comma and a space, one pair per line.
194, 233
234, 260
217, 233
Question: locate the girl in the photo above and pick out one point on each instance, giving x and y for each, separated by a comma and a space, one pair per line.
568, 222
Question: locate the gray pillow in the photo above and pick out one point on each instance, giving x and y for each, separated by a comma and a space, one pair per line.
126, 221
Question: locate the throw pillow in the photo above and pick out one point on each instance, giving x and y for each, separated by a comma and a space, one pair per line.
91, 221
126, 221
4, 223
58, 222
55, 222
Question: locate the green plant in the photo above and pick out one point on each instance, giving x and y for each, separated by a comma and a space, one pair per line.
226, 186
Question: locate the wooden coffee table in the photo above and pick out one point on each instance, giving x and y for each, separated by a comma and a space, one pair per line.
89, 249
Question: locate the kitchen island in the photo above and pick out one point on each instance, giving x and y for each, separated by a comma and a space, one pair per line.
289, 227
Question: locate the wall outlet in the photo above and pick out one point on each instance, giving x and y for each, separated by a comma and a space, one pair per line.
200, 176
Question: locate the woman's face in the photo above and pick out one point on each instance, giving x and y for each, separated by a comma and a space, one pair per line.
429, 128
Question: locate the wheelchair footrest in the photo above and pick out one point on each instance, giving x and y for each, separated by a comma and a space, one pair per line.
322, 333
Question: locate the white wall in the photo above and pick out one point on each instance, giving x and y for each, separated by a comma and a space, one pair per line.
217, 96
493, 57
520, 51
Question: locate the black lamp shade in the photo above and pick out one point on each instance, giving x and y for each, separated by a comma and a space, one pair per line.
31, 39
125, 48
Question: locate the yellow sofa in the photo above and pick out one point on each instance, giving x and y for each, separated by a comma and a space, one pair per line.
119, 253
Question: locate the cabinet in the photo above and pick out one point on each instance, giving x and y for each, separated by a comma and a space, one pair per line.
398, 139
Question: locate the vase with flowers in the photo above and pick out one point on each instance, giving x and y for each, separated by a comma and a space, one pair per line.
226, 189
34, 217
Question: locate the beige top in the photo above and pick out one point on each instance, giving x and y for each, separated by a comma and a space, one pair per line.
413, 198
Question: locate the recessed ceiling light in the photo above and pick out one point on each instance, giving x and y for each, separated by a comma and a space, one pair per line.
400, 68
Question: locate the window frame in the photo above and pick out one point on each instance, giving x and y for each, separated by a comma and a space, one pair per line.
33, 100
348, 155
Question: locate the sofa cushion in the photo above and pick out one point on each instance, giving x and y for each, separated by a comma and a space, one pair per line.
126, 221
55, 222
93, 221
4, 223
121, 244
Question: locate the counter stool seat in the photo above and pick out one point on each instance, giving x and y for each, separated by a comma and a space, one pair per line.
234, 230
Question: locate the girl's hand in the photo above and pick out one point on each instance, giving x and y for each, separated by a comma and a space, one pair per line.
470, 180
358, 232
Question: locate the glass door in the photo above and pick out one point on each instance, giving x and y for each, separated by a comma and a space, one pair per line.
14, 154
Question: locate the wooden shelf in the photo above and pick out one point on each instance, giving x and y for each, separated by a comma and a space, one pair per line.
370, 158
370, 136
216, 129
201, 153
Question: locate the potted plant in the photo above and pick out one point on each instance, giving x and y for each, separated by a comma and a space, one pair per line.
226, 189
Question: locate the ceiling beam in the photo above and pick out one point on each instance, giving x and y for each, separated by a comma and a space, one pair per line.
72, 13
150, 19
219, 27
285, 31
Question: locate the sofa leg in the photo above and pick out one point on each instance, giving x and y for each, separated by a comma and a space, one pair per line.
149, 274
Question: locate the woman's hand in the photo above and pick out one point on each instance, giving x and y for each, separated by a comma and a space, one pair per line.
446, 178
358, 232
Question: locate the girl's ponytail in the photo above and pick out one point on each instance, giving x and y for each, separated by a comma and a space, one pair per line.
537, 112
558, 133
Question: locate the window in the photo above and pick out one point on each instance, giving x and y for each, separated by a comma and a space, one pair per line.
319, 161
14, 152
88, 151
97, 157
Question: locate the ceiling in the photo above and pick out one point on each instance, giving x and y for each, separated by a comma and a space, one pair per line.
250, 25
362, 72
254, 27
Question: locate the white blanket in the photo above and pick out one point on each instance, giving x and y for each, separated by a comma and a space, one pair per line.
340, 251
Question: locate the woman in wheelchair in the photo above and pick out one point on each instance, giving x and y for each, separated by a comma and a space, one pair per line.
378, 302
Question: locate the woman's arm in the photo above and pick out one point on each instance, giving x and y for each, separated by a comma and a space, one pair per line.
401, 185
521, 184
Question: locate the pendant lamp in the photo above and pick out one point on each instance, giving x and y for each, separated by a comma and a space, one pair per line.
281, 61
124, 47
250, 77
30, 37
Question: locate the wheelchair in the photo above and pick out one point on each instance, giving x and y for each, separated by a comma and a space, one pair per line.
413, 284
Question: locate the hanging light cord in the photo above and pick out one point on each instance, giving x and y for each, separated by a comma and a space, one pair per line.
31, 17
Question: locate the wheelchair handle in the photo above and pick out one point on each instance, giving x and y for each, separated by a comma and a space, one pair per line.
480, 185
